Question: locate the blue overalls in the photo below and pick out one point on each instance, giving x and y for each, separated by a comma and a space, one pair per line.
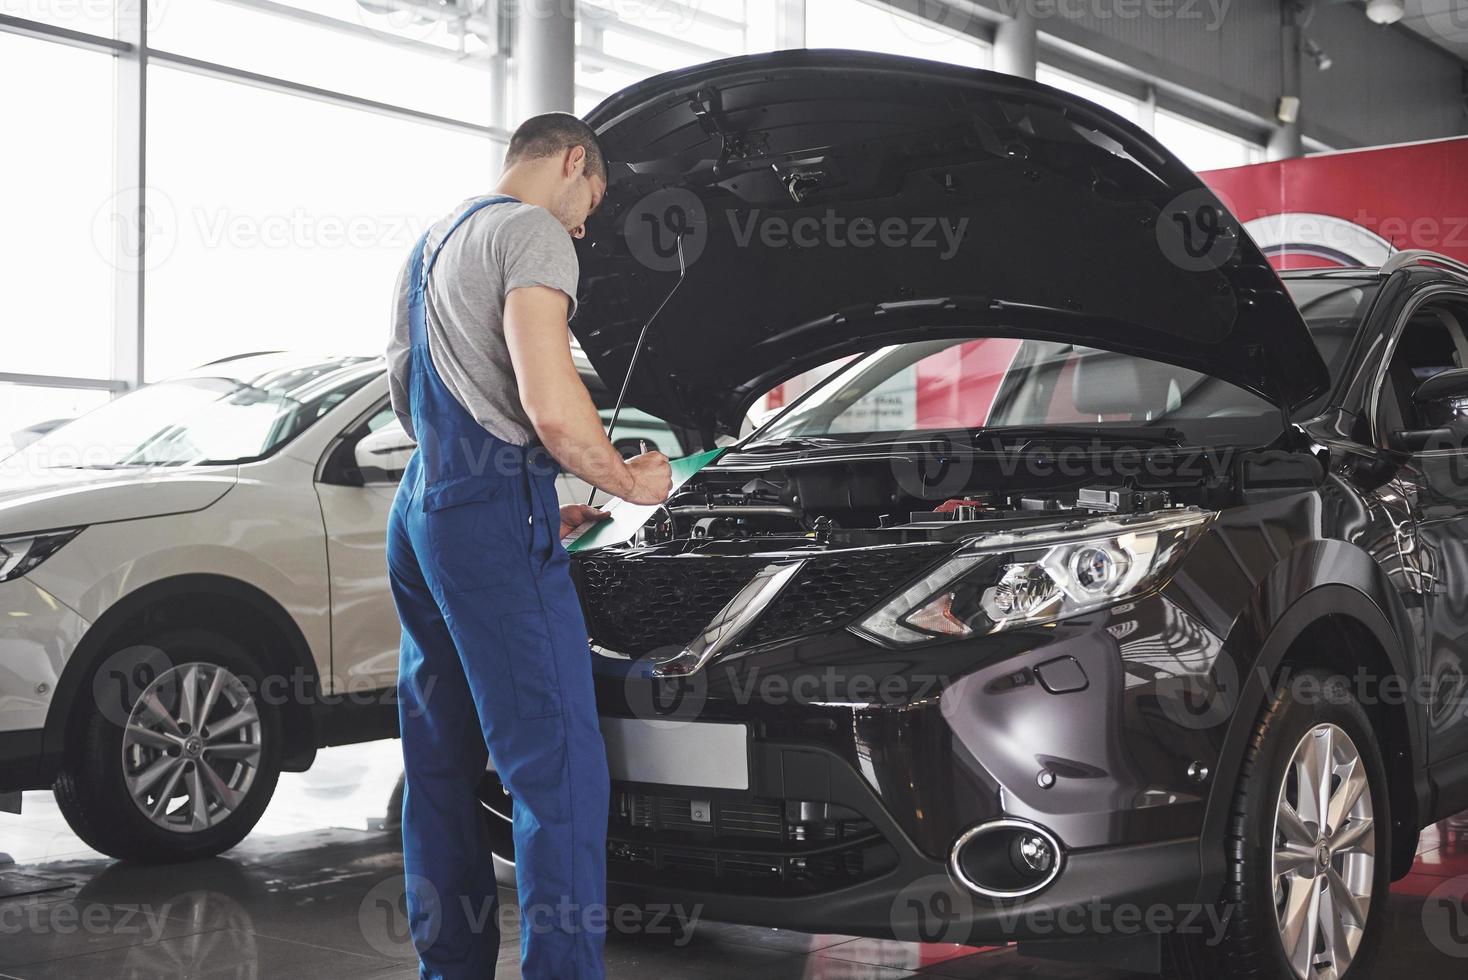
494, 662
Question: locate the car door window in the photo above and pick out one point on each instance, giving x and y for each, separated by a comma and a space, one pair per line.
1433, 341
373, 451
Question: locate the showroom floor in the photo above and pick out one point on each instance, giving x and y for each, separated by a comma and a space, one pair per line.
309, 895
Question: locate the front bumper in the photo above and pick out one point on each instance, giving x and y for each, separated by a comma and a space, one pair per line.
873, 881
37, 635
865, 765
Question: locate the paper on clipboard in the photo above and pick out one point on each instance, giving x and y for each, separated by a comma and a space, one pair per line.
625, 518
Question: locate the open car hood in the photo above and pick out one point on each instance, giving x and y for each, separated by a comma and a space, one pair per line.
831, 202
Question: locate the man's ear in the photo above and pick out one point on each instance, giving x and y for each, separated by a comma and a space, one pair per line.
575, 161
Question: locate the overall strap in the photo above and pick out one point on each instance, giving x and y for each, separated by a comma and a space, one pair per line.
469, 212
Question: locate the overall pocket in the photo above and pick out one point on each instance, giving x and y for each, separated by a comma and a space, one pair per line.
476, 540
530, 653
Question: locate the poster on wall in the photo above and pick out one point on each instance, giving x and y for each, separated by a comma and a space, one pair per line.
1355, 207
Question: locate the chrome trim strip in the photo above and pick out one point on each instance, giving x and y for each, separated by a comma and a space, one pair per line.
955, 867
1420, 256
732, 621
1373, 399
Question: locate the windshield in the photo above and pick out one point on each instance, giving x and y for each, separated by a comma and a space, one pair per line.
234, 412
999, 382
1333, 308
1003, 382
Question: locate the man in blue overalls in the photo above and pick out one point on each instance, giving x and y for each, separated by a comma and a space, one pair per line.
495, 663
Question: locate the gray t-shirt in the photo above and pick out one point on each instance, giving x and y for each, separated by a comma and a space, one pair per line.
500, 248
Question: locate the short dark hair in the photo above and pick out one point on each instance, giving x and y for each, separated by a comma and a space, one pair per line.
552, 134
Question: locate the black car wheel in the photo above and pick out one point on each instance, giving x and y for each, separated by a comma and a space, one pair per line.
1308, 846
183, 763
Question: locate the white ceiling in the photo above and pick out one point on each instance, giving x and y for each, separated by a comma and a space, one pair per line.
1443, 22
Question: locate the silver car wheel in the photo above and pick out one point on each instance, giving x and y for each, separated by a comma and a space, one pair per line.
1324, 861
192, 747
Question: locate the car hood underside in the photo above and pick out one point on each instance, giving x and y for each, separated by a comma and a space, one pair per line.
819, 193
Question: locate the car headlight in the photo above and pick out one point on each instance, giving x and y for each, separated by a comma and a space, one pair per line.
1031, 578
21, 553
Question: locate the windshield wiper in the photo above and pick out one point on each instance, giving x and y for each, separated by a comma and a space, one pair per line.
801, 442
1148, 435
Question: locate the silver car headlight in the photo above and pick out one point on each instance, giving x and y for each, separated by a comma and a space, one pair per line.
1031, 578
21, 553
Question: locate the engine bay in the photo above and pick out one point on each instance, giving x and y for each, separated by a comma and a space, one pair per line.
812, 504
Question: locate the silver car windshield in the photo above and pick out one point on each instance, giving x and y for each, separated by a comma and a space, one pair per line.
234, 412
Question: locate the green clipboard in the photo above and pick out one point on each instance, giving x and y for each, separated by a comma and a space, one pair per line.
625, 518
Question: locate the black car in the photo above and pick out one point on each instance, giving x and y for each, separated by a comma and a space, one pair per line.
1110, 600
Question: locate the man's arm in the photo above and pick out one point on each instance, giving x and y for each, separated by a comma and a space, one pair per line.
560, 407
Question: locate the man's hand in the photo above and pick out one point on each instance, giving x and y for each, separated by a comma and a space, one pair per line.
575, 515
652, 478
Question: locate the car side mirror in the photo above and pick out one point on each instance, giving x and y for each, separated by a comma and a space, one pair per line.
1441, 406
382, 456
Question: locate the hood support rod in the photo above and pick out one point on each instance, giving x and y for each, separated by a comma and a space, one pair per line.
637, 349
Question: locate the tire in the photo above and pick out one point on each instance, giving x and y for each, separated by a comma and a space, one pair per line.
107, 750
1288, 740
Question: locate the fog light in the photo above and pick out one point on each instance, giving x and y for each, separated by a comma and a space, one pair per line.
1006, 859
1032, 855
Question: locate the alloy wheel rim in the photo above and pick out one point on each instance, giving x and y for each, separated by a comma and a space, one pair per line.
1324, 862
191, 748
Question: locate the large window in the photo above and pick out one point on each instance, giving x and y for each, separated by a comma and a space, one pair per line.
56, 250
290, 218
418, 62
867, 26
1203, 147
28, 412
619, 43
1123, 105
295, 149
87, 16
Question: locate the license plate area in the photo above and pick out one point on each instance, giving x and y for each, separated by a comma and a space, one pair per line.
708, 754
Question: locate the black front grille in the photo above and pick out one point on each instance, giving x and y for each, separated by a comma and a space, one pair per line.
758, 845
831, 591
636, 605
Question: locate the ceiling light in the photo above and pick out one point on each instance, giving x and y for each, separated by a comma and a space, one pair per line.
1385, 11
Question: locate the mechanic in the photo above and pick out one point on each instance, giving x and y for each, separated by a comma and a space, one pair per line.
495, 662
